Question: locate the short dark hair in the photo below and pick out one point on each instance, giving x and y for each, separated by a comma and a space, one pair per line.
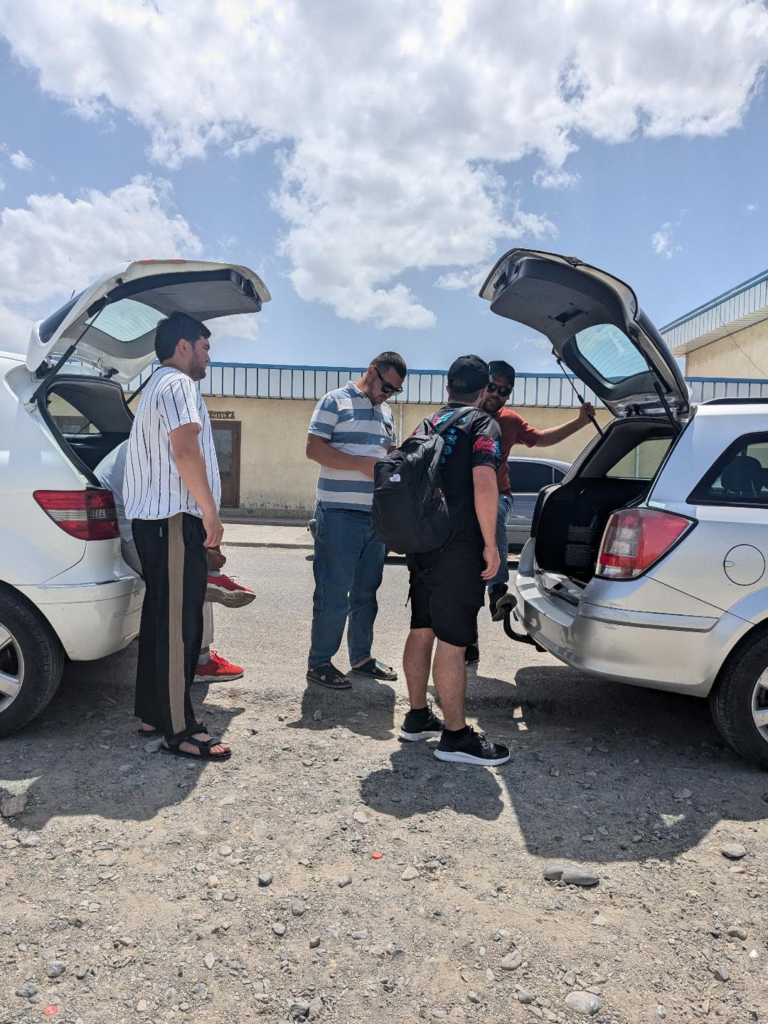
391, 360
170, 331
463, 397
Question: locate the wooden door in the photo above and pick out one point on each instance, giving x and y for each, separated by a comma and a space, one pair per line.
226, 441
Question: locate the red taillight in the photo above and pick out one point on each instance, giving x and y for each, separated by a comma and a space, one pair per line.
88, 515
635, 539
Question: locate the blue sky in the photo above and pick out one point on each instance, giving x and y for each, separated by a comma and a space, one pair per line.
357, 228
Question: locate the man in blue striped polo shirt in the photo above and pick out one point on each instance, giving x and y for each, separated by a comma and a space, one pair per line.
351, 429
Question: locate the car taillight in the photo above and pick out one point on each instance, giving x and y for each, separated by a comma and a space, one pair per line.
636, 538
88, 515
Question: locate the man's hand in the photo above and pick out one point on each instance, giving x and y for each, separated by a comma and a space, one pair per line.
586, 414
492, 561
214, 531
216, 560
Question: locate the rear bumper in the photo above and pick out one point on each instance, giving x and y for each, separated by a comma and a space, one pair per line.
92, 620
662, 651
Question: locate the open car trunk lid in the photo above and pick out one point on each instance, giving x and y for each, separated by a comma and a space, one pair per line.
596, 327
113, 321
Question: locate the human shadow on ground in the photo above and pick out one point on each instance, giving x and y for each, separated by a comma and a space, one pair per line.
83, 756
416, 784
368, 708
599, 771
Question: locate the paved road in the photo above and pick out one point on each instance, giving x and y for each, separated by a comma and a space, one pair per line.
634, 783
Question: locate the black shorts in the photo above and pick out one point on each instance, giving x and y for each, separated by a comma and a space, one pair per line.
447, 592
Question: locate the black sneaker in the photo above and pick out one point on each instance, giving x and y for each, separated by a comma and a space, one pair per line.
471, 748
420, 725
471, 654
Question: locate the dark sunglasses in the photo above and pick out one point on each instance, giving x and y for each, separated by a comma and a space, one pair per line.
386, 387
499, 389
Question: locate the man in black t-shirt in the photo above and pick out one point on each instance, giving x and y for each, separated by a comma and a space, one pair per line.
448, 585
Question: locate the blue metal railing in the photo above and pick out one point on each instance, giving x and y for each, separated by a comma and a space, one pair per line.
425, 387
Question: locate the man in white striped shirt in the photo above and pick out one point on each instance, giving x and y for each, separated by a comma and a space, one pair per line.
351, 429
172, 493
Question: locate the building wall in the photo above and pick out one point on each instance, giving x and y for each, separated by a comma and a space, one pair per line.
735, 356
278, 481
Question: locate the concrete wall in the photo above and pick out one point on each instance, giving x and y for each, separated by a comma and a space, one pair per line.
278, 481
734, 356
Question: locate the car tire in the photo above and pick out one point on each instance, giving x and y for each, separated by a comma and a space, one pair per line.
31, 653
731, 700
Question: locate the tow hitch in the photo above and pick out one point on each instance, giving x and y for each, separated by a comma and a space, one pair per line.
504, 609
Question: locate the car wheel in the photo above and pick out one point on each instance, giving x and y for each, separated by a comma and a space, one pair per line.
739, 701
31, 662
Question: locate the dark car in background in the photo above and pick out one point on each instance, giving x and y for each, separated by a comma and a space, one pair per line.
527, 475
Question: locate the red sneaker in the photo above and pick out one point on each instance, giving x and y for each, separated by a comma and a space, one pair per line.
224, 590
217, 670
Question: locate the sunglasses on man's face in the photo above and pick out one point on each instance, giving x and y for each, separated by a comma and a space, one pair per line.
386, 387
499, 389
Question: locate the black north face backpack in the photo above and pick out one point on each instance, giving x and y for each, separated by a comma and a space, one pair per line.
409, 509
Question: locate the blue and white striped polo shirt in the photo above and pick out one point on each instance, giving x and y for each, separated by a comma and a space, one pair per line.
347, 419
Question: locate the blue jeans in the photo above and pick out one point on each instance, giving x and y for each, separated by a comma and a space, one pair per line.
502, 518
348, 568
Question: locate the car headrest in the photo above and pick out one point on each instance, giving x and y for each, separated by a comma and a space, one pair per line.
743, 476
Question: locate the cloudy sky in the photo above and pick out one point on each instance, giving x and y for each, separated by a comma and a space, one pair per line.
372, 160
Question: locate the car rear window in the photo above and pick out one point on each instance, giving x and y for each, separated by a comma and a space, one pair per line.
642, 462
739, 477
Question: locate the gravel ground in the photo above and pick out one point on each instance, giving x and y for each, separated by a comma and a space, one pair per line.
328, 873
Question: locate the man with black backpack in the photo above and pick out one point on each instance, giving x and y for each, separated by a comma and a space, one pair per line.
447, 584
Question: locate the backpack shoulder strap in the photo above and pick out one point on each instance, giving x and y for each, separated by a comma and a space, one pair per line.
457, 415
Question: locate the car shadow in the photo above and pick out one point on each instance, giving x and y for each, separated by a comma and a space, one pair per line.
83, 755
599, 771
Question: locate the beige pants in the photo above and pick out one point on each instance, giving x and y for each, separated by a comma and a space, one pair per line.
131, 556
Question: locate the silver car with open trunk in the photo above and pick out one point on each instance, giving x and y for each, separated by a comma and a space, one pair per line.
647, 563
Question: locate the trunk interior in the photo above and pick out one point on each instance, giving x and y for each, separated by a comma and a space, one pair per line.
615, 471
89, 418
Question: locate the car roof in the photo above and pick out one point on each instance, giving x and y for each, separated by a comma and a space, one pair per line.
733, 407
556, 463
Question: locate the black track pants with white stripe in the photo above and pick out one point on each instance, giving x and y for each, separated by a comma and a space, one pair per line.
175, 567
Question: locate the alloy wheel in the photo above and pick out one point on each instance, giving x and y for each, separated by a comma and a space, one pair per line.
760, 705
11, 668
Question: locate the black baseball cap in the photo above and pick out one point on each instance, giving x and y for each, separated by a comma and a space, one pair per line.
500, 368
468, 374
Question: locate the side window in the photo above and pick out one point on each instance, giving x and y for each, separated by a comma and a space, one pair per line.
739, 477
558, 474
642, 463
68, 419
529, 477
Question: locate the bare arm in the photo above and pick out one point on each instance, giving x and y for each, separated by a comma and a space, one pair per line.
191, 466
321, 451
486, 508
553, 435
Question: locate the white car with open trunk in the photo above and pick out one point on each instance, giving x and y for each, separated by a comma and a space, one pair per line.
65, 591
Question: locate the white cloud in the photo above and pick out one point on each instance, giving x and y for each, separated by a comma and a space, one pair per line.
555, 178
2, 184
54, 244
662, 243
21, 161
242, 327
395, 117
751, 207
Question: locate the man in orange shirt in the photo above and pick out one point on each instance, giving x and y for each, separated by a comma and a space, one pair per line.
515, 430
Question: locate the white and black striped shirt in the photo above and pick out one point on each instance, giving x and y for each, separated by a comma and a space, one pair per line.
152, 488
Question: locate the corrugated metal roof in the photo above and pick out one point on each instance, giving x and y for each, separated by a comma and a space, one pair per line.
741, 307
